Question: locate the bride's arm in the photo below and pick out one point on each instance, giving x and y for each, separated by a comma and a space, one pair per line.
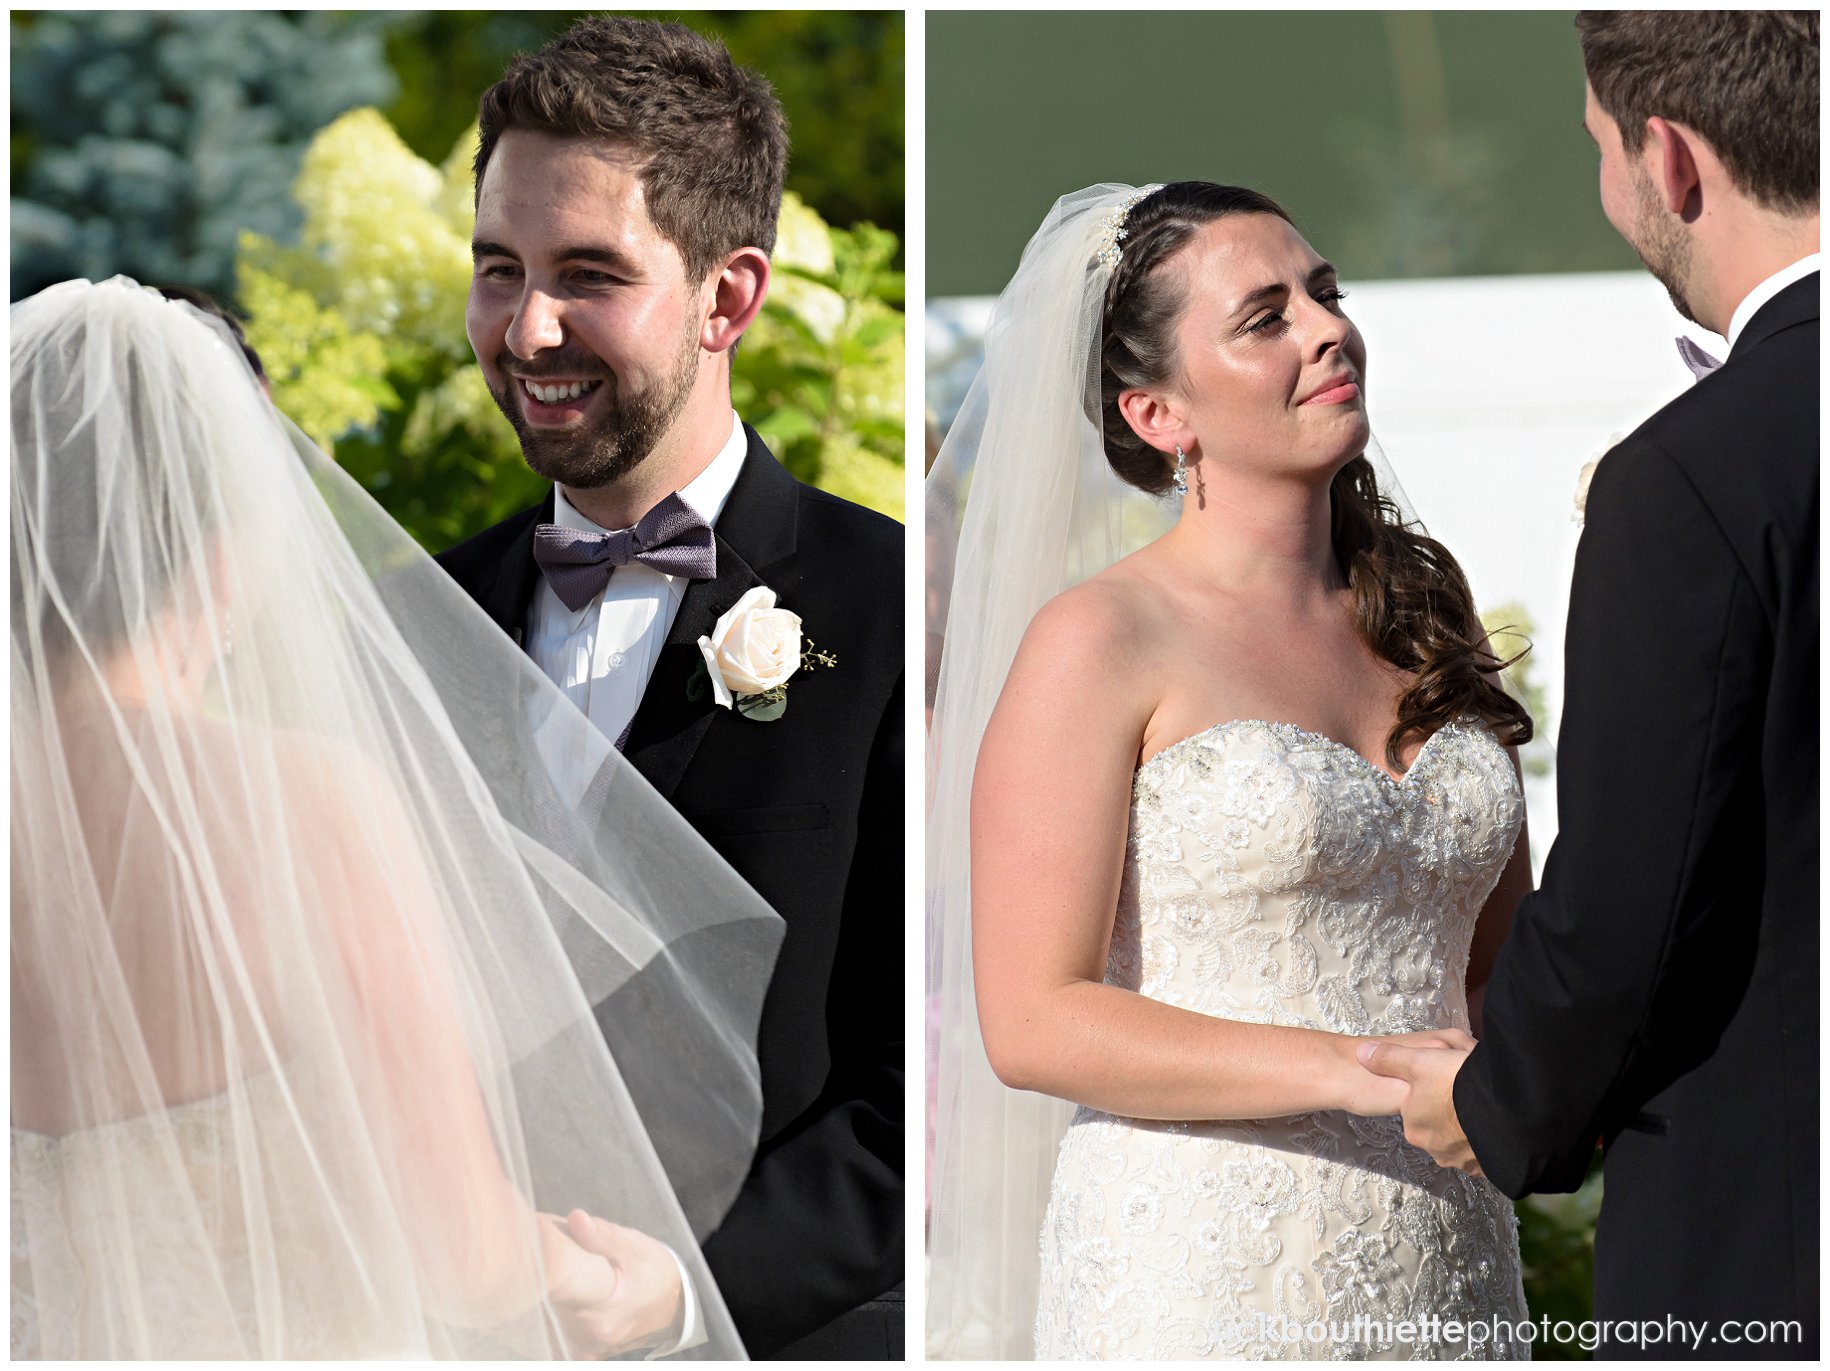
484, 1254
1050, 809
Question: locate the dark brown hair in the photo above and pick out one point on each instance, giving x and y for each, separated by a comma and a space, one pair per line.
1411, 601
711, 135
208, 304
1746, 80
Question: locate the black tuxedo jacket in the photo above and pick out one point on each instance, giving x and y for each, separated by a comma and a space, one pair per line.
809, 810
1660, 991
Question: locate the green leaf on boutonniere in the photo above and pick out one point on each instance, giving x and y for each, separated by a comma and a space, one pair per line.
699, 684
771, 704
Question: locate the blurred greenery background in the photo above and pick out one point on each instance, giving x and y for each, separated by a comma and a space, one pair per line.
1414, 143
312, 168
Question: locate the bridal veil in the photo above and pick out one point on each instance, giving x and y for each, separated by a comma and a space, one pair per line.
325, 902
1021, 505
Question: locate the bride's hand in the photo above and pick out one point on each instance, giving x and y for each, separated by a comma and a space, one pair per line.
1361, 1092
619, 1289
1372, 1096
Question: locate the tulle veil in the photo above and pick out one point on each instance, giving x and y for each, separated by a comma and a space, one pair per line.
325, 903
1021, 504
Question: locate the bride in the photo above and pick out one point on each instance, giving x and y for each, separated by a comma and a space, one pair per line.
324, 904
1225, 784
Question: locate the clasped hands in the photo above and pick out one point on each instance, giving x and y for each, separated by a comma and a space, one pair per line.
627, 1301
1417, 1080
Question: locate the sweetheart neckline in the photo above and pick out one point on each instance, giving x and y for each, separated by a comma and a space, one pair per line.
172, 1114
1276, 725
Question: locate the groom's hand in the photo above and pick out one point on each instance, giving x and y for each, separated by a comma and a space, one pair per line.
1429, 1112
646, 1307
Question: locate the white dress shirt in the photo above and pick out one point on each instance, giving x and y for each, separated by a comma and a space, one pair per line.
602, 654
1766, 290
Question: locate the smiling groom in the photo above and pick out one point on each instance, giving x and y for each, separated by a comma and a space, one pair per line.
629, 177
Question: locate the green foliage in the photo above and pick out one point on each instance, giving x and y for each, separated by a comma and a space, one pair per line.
1557, 1245
821, 371
145, 141
361, 328
1509, 629
838, 74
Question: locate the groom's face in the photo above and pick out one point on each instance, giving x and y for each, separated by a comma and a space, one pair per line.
583, 321
1633, 206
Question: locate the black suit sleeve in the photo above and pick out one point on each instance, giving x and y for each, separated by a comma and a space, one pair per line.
1606, 987
818, 1228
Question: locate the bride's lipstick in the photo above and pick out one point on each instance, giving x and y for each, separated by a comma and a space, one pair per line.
1336, 391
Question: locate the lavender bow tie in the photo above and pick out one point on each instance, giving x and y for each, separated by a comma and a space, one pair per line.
1699, 361
671, 538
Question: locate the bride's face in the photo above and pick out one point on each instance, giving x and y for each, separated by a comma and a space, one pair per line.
1272, 372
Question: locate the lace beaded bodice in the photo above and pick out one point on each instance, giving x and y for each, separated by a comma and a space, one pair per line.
165, 1197
1273, 875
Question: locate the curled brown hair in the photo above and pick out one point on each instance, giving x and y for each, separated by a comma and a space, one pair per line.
1411, 601
1744, 79
711, 135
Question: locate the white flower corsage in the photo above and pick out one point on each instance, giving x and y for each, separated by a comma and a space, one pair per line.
751, 652
1588, 474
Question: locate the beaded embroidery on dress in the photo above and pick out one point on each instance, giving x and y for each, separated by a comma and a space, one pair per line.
132, 1191
1273, 875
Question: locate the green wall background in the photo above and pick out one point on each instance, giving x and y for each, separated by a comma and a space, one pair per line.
1406, 144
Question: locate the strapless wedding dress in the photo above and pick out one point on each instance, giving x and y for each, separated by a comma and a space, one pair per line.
1274, 876
174, 1199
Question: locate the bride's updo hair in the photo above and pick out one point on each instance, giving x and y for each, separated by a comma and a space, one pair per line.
1411, 600
121, 402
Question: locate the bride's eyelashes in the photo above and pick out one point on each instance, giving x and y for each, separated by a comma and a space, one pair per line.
1332, 296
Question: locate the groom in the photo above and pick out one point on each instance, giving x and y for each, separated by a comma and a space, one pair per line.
629, 177
1660, 991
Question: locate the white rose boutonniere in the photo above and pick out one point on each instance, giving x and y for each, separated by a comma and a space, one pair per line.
751, 653
1588, 474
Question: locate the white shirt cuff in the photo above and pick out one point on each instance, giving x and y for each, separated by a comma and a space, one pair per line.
691, 1333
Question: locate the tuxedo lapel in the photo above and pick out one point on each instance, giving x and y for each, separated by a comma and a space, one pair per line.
755, 531
507, 599
668, 727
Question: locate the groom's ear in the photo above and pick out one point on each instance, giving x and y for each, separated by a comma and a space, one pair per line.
738, 290
1677, 156
1156, 420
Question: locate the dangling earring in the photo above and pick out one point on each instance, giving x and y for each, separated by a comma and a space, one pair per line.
1181, 481
228, 633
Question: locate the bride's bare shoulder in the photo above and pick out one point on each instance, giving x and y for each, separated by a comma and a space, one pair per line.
1114, 617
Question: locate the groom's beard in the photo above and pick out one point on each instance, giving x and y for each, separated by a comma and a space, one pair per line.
621, 431
1663, 247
